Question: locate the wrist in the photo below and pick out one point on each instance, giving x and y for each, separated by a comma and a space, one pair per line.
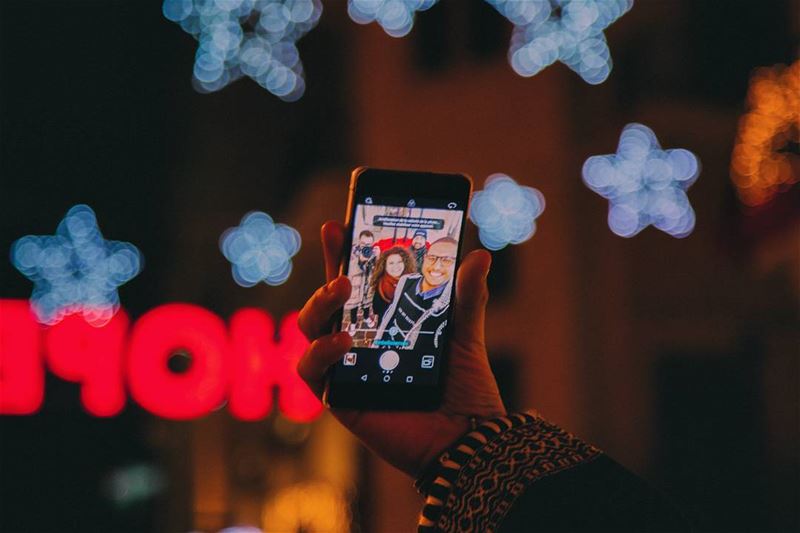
448, 434
477, 433
456, 428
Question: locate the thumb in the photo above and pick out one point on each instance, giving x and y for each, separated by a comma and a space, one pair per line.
471, 298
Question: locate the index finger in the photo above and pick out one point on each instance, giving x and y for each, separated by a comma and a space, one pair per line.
332, 247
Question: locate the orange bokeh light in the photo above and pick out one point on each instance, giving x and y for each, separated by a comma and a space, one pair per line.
759, 170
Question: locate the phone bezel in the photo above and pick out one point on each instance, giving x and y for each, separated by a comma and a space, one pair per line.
364, 182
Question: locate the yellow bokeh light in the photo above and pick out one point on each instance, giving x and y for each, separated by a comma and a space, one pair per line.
759, 170
312, 506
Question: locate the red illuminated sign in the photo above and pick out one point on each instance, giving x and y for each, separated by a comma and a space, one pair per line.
247, 362
76, 351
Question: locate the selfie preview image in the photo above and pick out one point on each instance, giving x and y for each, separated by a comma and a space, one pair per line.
401, 271
399, 265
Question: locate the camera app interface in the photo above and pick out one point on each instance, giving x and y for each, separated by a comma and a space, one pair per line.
402, 265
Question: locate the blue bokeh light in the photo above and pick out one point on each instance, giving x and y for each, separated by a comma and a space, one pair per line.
505, 211
260, 250
396, 17
569, 31
75, 270
644, 184
254, 38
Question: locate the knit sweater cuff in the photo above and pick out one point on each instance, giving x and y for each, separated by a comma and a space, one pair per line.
474, 483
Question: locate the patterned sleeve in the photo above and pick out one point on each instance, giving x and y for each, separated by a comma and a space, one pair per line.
521, 473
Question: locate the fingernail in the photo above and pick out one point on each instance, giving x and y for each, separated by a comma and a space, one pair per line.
332, 283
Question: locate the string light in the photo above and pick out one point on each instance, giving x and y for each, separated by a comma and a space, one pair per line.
76, 270
396, 17
569, 31
505, 212
759, 169
254, 38
644, 184
260, 250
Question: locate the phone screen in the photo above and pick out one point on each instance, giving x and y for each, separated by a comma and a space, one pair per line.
402, 265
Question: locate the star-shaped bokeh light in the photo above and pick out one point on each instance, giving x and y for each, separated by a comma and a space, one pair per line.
570, 31
254, 38
505, 211
396, 17
76, 270
260, 250
644, 184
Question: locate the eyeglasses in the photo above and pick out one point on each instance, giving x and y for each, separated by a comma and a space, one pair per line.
446, 260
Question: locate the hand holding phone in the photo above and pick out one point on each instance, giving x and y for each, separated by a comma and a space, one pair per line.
407, 439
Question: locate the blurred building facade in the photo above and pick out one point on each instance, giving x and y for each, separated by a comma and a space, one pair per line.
677, 357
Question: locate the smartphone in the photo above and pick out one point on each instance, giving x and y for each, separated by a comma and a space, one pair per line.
402, 250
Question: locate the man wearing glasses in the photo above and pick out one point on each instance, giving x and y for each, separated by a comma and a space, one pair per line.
417, 315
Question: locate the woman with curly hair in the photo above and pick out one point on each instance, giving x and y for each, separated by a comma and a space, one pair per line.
392, 264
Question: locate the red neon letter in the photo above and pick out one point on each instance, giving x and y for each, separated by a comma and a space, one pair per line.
261, 364
156, 336
77, 351
21, 368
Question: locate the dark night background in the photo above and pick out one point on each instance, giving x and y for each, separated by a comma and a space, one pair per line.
96, 107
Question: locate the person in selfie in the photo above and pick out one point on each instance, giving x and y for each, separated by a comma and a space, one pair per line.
391, 266
418, 312
419, 247
478, 466
366, 254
